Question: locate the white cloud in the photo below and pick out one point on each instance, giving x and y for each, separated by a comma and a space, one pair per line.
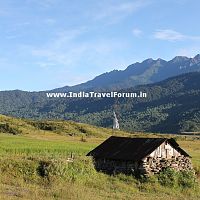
137, 32
113, 11
171, 35
72, 58
168, 34
45, 65
62, 50
66, 50
67, 36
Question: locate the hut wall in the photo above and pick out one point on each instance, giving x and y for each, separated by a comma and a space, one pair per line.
156, 164
162, 157
116, 166
165, 150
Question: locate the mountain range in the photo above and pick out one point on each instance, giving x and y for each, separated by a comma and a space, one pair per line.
148, 71
172, 103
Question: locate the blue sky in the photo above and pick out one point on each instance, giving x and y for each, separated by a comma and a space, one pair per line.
47, 44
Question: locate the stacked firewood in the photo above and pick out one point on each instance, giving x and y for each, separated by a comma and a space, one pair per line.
156, 165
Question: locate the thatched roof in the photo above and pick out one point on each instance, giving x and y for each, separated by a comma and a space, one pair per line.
124, 148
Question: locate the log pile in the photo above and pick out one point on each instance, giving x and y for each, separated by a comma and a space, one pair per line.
152, 166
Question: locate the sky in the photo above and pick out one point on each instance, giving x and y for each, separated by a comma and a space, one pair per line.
47, 44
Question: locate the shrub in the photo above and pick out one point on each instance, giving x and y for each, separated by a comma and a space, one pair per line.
70, 170
46, 125
50, 168
7, 128
168, 177
19, 168
171, 178
186, 179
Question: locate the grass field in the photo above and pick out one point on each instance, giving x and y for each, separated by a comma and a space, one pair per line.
33, 165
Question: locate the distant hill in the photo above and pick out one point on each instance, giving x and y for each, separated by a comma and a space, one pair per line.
171, 105
148, 71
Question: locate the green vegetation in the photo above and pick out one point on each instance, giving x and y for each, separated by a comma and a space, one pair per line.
33, 165
173, 179
68, 128
171, 106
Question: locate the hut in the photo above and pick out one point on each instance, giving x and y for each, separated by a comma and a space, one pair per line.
139, 156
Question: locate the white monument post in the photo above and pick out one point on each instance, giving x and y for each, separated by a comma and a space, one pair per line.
115, 122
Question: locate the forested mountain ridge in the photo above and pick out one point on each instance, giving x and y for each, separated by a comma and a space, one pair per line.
171, 105
148, 71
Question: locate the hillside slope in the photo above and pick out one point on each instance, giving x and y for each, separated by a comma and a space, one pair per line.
16, 126
171, 106
37, 165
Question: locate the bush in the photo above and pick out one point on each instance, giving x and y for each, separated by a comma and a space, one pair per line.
23, 168
7, 128
70, 170
171, 178
168, 177
186, 179
53, 168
